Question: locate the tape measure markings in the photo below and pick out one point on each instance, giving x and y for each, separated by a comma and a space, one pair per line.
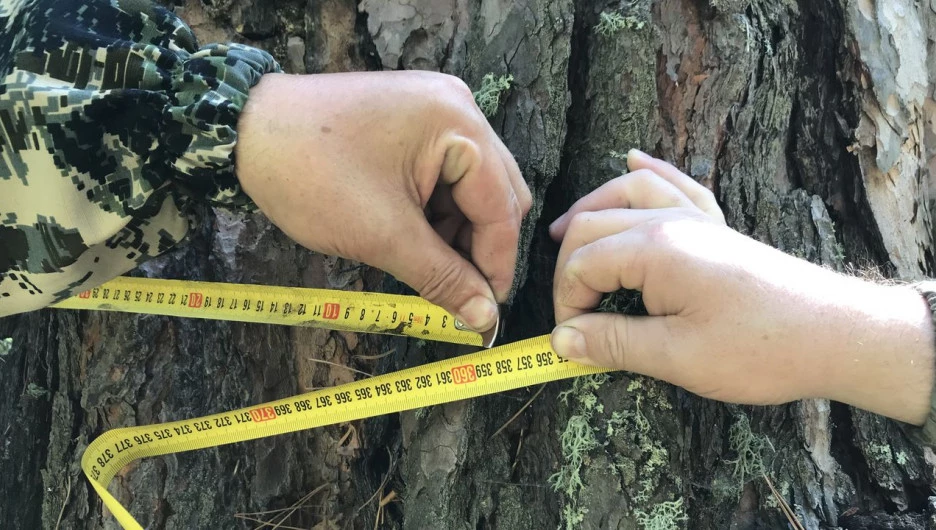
362, 312
507, 367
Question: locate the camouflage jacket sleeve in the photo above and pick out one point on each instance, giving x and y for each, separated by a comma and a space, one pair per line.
112, 123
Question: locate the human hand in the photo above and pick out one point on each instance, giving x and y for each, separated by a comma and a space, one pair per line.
730, 318
353, 164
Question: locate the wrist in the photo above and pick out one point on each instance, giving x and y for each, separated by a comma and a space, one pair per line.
880, 355
254, 153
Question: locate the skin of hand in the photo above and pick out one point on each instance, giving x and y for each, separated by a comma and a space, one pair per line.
399, 170
730, 318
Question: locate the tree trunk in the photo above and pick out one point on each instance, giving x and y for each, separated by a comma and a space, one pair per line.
811, 120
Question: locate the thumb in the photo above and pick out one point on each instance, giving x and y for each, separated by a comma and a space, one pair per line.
632, 343
442, 276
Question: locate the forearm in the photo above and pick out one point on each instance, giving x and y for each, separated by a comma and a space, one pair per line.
879, 351
102, 170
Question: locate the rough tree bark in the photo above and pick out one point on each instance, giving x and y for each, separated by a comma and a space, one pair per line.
812, 120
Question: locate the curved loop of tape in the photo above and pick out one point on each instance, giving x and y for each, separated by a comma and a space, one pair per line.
507, 367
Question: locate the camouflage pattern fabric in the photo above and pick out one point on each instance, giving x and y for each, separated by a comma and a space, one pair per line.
113, 122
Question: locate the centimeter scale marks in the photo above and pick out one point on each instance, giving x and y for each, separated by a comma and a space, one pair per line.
340, 310
508, 367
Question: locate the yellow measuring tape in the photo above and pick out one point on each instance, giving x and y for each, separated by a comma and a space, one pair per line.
508, 367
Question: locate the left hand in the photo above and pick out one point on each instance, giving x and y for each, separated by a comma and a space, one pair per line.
730, 318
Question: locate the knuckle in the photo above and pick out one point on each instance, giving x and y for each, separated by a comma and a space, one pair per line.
641, 176
602, 250
580, 221
659, 233
614, 341
453, 99
566, 283
627, 187
575, 225
472, 151
671, 236
455, 87
574, 263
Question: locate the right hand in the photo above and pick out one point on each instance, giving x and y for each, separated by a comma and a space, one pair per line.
730, 318
348, 164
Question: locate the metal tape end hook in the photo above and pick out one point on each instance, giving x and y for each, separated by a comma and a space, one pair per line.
489, 337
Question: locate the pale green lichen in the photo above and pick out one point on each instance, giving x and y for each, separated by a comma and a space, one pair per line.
642, 471
578, 437
583, 387
750, 448
611, 22
6, 345
838, 251
650, 470
576, 440
653, 454
663, 516
590, 403
35, 391
730, 5
881, 452
643, 425
614, 423
653, 391
573, 516
901, 458
488, 96
627, 467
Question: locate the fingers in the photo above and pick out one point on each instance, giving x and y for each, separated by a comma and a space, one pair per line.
635, 344
425, 262
643, 190
701, 196
521, 190
602, 266
483, 190
588, 227
652, 183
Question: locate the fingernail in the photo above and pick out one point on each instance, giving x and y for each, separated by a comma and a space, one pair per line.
568, 342
637, 153
479, 313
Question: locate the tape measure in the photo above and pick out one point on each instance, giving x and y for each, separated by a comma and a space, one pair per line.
508, 367
409, 316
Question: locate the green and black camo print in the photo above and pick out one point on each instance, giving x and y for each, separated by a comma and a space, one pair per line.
112, 122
